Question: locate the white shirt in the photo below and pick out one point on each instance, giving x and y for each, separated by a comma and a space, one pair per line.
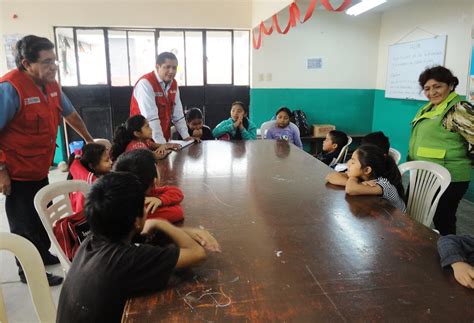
145, 96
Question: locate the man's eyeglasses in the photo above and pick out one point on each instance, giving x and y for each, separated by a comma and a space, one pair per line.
48, 62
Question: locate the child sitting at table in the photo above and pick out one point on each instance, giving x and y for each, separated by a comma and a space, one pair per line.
332, 145
458, 252
196, 127
283, 130
378, 139
161, 202
87, 164
237, 127
372, 172
136, 133
108, 268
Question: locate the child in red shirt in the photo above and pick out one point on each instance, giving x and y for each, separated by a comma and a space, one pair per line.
136, 133
87, 165
161, 202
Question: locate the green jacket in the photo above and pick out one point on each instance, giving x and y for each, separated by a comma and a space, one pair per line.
227, 126
430, 141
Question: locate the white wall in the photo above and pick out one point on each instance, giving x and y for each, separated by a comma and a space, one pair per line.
38, 17
347, 45
263, 9
453, 18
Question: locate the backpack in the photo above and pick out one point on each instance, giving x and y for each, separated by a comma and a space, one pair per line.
70, 232
298, 117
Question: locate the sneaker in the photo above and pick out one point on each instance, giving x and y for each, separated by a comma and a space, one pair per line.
50, 259
53, 280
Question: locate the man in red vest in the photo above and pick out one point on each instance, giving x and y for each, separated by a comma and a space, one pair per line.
156, 97
31, 106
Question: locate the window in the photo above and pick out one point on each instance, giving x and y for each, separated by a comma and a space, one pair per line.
219, 57
66, 56
119, 71
194, 61
141, 48
241, 57
130, 53
91, 53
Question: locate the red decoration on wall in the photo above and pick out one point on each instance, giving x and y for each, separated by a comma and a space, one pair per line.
294, 12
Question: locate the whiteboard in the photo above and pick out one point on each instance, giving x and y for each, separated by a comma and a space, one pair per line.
406, 61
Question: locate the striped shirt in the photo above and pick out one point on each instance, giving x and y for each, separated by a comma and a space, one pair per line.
390, 193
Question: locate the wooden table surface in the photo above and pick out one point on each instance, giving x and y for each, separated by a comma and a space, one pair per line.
296, 249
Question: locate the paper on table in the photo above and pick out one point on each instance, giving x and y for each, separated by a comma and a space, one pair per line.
183, 143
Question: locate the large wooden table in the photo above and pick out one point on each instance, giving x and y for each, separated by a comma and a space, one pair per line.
295, 248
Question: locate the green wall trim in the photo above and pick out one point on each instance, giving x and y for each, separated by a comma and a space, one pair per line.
350, 110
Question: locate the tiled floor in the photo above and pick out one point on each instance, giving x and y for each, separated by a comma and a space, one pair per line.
16, 295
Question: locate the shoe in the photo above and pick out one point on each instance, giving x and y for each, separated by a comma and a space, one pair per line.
50, 259
53, 280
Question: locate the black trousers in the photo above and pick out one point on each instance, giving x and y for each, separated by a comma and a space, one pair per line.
22, 215
445, 215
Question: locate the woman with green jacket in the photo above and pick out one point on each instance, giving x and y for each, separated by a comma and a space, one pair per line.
237, 127
441, 133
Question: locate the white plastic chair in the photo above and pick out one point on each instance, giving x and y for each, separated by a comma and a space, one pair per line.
268, 124
395, 154
33, 267
58, 195
341, 158
428, 181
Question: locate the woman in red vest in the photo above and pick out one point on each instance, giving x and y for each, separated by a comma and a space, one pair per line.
156, 97
31, 106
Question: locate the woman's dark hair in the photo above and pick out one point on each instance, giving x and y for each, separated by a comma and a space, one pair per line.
284, 109
440, 74
245, 120
124, 134
140, 162
29, 47
113, 204
382, 164
378, 139
193, 114
339, 138
90, 157
162, 57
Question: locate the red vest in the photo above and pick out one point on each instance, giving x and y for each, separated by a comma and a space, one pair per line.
29, 139
165, 104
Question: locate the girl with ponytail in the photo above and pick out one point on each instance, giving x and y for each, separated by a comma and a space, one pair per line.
372, 172
136, 133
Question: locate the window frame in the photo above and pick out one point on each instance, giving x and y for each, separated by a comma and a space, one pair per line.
156, 32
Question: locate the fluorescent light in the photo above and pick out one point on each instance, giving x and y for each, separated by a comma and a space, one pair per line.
363, 6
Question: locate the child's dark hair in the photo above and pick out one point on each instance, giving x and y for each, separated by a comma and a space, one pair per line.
124, 134
382, 164
193, 114
142, 163
440, 74
339, 138
90, 157
378, 139
113, 204
284, 109
245, 120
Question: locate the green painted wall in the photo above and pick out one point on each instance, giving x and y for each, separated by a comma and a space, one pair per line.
350, 110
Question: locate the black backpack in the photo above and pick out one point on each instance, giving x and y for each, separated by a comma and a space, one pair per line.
298, 117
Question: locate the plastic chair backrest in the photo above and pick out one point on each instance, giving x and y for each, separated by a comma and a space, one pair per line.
268, 124
58, 195
33, 267
341, 158
395, 155
428, 181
